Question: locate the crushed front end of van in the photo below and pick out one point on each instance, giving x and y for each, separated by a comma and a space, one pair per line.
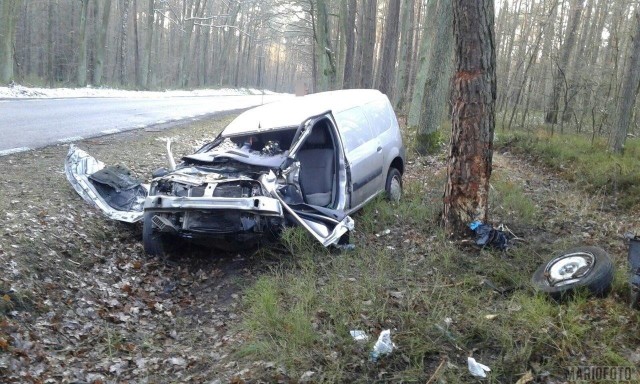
226, 195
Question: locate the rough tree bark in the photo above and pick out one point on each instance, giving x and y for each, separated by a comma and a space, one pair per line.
390, 48
629, 92
466, 196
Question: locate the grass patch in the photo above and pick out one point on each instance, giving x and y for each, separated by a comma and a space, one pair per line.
440, 302
509, 202
579, 159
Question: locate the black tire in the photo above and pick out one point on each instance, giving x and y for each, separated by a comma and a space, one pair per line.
155, 243
596, 279
393, 185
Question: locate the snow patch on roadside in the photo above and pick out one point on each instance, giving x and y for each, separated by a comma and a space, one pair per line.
19, 91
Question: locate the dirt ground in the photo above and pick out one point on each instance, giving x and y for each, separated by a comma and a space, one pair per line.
80, 302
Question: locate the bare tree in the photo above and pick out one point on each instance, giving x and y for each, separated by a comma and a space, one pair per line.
466, 196
629, 91
561, 65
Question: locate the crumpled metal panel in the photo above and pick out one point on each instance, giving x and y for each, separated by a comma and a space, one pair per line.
78, 166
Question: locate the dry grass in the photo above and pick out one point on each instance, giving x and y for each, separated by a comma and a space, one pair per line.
87, 305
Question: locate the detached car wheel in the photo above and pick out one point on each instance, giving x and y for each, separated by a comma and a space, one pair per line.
155, 242
393, 186
588, 267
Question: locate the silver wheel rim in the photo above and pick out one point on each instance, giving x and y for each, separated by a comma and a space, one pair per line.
569, 268
395, 189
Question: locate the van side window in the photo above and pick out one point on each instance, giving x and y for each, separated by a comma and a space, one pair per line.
378, 114
354, 128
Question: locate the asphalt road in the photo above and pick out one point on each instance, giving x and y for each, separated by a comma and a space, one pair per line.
26, 124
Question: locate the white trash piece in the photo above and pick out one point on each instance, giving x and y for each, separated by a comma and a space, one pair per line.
359, 335
383, 346
477, 369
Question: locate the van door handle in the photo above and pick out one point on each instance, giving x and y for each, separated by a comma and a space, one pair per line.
379, 149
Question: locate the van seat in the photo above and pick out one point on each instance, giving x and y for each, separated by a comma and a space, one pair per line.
317, 167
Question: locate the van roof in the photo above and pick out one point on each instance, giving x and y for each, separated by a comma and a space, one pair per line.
291, 112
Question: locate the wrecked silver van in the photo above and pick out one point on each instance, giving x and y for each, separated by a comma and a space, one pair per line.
308, 161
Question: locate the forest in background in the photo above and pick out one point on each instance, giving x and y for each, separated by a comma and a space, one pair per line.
565, 65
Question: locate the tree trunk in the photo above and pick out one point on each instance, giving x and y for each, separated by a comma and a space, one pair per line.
350, 36
390, 48
148, 67
51, 45
8, 15
101, 42
466, 195
553, 107
368, 43
136, 46
437, 86
417, 96
406, 42
123, 43
82, 44
629, 91
325, 57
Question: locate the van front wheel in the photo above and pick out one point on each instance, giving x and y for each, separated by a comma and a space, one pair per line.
393, 186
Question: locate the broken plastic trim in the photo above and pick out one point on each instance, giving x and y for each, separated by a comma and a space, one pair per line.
320, 231
78, 166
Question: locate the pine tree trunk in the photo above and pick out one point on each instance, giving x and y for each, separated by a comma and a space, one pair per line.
8, 15
124, 79
136, 45
466, 196
101, 42
368, 43
406, 42
629, 91
426, 43
148, 67
325, 57
561, 65
348, 78
82, 44
438, 80
390, 48
51, 46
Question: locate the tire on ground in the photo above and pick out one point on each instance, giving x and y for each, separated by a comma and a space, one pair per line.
597, 281
393, 185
